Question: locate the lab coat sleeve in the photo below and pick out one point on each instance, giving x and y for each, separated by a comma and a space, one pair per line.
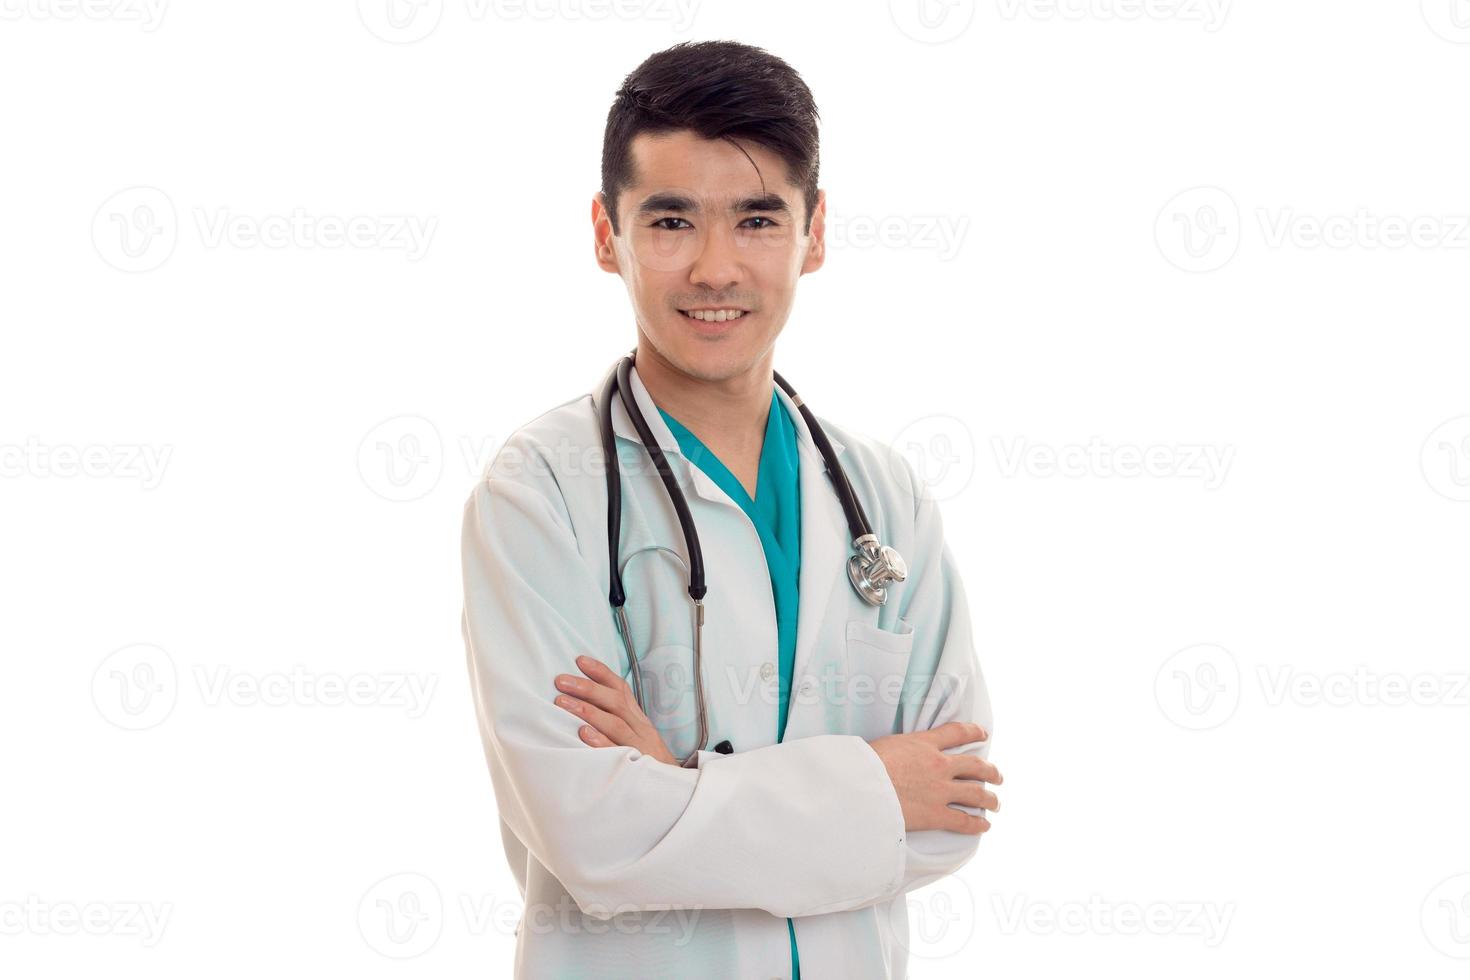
943, 682
774, 828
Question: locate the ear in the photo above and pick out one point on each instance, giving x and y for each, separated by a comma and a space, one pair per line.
816, 252
602, 236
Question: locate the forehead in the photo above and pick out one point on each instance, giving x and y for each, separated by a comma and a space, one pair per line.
712, 171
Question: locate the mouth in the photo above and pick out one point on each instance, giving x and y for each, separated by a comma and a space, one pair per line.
722, 314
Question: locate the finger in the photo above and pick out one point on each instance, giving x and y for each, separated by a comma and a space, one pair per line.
971, 793
609, 725
953, 733
594, 692
595, 738
961, 822
974, 767
602, 673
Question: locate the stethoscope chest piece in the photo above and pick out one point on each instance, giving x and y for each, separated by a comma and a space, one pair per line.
873, 568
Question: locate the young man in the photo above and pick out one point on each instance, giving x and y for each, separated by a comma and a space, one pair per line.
850, 735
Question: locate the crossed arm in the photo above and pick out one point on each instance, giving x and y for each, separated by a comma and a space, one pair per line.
626, 830
926, 779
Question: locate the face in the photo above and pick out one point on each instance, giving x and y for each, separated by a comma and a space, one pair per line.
703, 229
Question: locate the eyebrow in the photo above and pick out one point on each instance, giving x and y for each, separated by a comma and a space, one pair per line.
665, 201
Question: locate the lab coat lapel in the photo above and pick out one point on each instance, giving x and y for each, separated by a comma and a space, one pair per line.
824, 545
686, 474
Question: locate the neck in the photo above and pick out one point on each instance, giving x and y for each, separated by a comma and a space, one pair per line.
731, 412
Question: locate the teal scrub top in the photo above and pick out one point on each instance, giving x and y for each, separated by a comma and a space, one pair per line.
776, 514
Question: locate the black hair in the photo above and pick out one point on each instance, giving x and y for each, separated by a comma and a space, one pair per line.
719, 90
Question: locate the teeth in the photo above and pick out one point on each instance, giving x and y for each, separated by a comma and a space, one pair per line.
715, 316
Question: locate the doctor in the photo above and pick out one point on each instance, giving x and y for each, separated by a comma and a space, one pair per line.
845, 753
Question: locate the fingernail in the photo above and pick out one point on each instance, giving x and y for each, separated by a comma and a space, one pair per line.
564, 702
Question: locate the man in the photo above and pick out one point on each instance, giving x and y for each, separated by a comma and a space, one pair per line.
835, 784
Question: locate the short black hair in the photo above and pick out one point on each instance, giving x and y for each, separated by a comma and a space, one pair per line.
719, 90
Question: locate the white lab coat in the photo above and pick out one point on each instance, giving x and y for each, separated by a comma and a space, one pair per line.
631, 867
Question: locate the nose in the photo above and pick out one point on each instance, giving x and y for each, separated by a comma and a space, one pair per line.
717, 266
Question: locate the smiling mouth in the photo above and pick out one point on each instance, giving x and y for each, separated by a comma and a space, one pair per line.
715, 316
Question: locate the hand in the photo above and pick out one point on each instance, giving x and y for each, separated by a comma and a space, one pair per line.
606, 703
928, 779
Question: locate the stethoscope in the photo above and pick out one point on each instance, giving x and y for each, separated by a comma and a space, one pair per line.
870, 570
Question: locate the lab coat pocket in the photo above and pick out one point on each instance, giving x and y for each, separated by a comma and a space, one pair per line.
877, 662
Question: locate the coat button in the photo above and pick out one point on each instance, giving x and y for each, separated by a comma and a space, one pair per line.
768, 670
806, 687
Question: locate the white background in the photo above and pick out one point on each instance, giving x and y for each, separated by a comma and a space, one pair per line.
1065, 233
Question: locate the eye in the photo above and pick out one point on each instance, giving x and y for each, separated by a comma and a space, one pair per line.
660, 224
768, 222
